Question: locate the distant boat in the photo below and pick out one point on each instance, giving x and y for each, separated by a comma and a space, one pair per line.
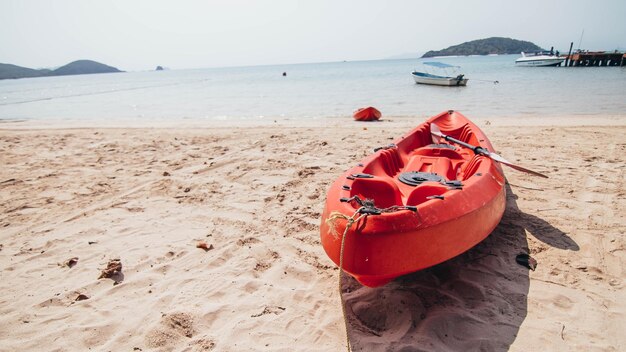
444, 79
369, 113
539, 59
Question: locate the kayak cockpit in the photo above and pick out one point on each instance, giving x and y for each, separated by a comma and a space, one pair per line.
436, 169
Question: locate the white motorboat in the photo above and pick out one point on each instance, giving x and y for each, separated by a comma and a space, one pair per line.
445, 79
542, 58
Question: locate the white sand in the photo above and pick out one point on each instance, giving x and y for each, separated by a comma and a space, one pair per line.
255, 190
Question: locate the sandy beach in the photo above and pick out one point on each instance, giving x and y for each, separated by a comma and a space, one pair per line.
76, 197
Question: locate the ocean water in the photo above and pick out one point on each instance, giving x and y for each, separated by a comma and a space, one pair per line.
318, 90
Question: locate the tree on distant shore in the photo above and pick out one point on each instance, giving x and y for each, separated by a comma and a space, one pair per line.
488, 46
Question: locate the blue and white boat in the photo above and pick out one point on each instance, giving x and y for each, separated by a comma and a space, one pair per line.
444, 79
540, 58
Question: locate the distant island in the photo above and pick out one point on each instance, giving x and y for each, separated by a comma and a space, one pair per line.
80, 67
489, 46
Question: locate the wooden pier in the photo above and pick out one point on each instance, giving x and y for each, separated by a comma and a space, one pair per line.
595, 58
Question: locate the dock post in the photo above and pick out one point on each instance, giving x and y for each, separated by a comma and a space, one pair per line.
569, 55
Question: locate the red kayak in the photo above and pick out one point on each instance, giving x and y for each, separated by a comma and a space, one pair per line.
367, 114
420, 201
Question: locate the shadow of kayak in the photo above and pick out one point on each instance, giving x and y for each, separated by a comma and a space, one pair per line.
476, 301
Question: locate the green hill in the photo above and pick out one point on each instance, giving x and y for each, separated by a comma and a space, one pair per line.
80, 67
8, 71
493, 45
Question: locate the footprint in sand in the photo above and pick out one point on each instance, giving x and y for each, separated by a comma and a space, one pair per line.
171, 329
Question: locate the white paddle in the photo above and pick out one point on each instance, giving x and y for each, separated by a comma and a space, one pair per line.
435, 131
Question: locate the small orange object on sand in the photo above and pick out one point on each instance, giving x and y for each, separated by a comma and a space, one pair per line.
369, 113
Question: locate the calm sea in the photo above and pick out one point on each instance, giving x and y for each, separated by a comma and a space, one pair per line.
318, 90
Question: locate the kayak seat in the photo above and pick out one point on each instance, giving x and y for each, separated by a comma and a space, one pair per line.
433, 164
418, 139
421, 193
382, 190
388, 162
439, 150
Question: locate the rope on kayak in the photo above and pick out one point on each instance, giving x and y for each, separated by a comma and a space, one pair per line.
334, 216
366, 208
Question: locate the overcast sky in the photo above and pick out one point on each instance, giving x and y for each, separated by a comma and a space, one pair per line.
139, 35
